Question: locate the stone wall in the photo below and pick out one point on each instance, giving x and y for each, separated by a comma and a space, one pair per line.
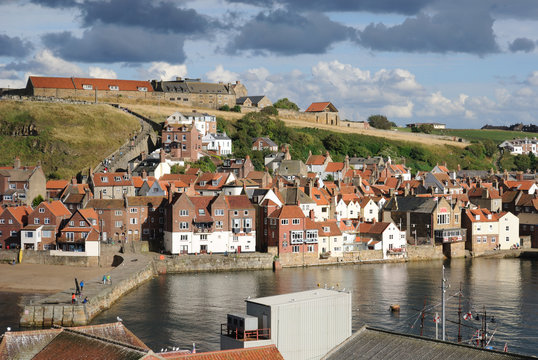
44, 257
425, 252
328, 118
206, 262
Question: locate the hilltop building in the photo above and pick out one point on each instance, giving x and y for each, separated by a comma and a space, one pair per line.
520, 146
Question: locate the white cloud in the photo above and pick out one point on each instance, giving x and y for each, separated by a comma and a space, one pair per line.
48, 64
163, 71
405, 111
219, 74
97, 72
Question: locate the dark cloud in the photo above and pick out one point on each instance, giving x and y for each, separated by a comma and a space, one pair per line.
448, 31
407, 7
56, 3
109, 44
158, 16
522, 44
14, 46
289, 33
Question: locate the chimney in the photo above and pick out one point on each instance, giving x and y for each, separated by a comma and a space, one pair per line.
162, 156
171, 190
287, 155
144, 174
17, 163
237, 82
73, 180
178, 78
519, 176
311, 215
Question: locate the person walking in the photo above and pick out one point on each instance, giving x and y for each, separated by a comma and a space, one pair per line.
85, 300
104, 279
81, 285
73, 298
108, 279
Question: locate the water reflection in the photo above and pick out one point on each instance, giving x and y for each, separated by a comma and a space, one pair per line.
177, 310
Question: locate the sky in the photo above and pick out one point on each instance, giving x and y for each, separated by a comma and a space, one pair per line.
460, 62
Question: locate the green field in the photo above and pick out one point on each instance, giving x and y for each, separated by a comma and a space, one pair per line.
498, 136
70, 137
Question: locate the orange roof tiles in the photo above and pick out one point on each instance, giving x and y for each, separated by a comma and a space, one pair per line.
317, 106
51, 82
288, 212
269, 352
334, 167
58, 208
57, 184
315, 160
19, 212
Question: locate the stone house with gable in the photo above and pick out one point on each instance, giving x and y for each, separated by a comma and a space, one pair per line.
487, 231
258, 102
12, 220
323, 113
264, 143
20, 185
111, 185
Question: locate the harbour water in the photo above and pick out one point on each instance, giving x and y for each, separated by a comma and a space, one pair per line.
181, 309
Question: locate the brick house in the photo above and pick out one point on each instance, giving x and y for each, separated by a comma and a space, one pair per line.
485, 197
12, 220
76, 196
209, 224
323, 113
44, 224
111, 218
111, 185
239, 167
212, 183
181, 141
20, 185
145, 217
204, 123
291, 236
81, 233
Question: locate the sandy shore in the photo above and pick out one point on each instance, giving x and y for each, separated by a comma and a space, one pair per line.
43, 279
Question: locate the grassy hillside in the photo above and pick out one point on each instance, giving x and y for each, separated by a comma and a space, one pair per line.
303, 140
70, 137
498, 136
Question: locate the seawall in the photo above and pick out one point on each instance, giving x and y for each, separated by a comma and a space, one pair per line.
131, 273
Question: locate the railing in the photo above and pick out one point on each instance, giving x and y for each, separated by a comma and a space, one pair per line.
245, 335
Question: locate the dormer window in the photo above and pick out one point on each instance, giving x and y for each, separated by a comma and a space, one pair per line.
142, 88
326, 229
41, 210
202, 183
125, 177
87, 87
113, 87
201, 212
117, 178
104, 179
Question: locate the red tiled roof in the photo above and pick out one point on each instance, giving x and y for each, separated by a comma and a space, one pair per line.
482, 215
288, 212
103, 84
520, 185
57, 184
238, 202
19, 212
269, 352
51, 82
317, 106
315, 160
111, 179
58, 208
334, 167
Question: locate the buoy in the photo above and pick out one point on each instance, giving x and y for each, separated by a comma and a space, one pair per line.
395, 308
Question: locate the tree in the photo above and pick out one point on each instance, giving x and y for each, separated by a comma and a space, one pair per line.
177, 169
425, 128
490, 146
37, 200
379, 122
205, 164
269, 110
284, 103
236, 109
522, 162
224, 107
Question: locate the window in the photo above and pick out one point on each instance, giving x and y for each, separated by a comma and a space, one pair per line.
296, 237
219, 212
12, 186
36, 221
113, 87
142, 88
201, 212
118, 224
391, 237
236, 223
310, 248
133, 210
508, 228
46, 221
118, 213
203, 237
183, 212
2, 221
508, 238
184, 225
493, 239
236, 212
246, 212
456, 218
70, 236
41, 210
10, 221
87, 87
296, 221
371, 211
82, 223
133, 221
184, 137
248, 223
46, 234
13, 233
284, 236
0, 233
218, 224
71, 223
295, 248
104, 179
29, 234
443, 219
284, 222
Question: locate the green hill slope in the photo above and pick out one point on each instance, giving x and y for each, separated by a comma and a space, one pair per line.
66, 138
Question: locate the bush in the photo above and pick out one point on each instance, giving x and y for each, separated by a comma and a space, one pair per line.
380, 122
236, 109
224, 107
37, 200
270, 110
286, 104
